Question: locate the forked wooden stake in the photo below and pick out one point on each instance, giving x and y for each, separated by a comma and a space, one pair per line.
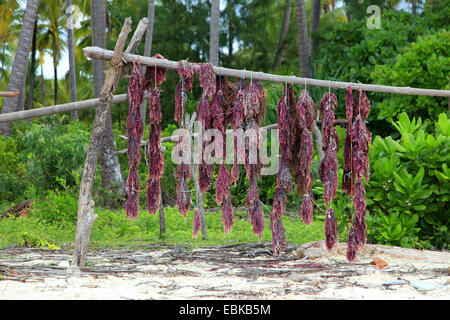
86, 215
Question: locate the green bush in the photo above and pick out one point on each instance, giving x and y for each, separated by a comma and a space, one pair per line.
422, 64
392, 55
12, 171
52, 151
409, 187
55, 206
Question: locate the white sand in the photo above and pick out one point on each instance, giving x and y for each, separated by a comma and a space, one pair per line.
311, 273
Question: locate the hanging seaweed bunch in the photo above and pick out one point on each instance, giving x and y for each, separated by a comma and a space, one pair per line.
186, 73
155, 155
357, 166
184, 174
207, 79
154, 77
306, 110
237, 120
284, 178
331, 230
253, 110
150, 74
196, 223
220, 121
134, 135
328, 170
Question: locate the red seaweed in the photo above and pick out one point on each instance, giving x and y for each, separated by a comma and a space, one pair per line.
150, 74
186, 73
306, 110
197, 223
352, 245
153, 195
134, 135
227, 215
255, 212
155, 155
207, 79
222, 184
278, 236
279, 203
307, 210
328, 172
331, 230
183, 197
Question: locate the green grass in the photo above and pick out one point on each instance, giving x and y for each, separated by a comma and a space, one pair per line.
113, 229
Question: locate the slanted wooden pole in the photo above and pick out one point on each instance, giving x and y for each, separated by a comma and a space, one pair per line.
60, 108
102, 54
86, 215
9, 94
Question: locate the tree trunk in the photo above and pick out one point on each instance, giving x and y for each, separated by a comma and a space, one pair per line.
149, 34
72, 67
112, 179
283, 33
230, 32
20, 64
314, 24
148, 48
98, 26
32, 70
214, 33
414, 7
303, 50
55, 83
43, 86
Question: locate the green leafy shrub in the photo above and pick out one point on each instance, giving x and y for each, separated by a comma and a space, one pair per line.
53, 151
12, 171
422, 64
409, 184
58, 206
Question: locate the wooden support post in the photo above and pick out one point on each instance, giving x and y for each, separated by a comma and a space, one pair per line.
194, 168
162, 218
86, 215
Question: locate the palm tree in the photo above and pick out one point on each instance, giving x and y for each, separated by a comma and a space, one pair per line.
72, 67
149, 32
98, 18
43, 47
32, 69
214, 32
283, 33
8, 37
314, 23
112, 179
53, 29
20, 63
303, 49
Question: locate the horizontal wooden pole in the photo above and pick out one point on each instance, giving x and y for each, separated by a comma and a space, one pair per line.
102, 54
60, 108
9, 94
269, 127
